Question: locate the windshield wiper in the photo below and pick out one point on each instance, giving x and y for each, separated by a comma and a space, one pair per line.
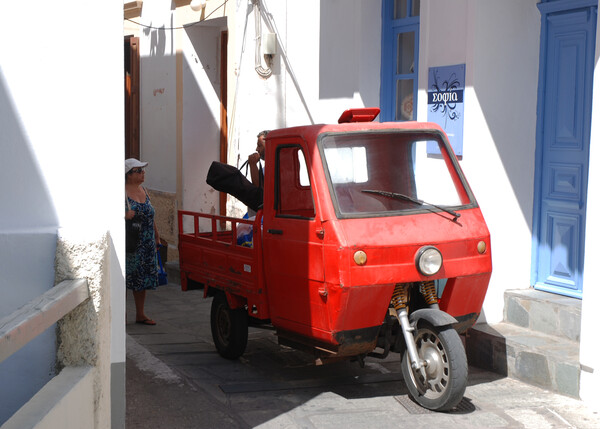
402, 197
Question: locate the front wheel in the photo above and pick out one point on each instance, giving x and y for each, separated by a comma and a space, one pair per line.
445, 380
229, 328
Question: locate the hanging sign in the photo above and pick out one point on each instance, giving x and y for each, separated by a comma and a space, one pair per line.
445, 107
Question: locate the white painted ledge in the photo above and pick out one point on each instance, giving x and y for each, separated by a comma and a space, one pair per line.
65, 402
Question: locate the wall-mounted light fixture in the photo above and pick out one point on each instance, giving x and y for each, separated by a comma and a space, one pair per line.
197, 5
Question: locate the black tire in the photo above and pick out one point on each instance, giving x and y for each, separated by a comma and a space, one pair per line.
229, 328
446, 369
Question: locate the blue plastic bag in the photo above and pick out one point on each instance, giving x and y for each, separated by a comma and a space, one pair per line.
244, 233
162, 274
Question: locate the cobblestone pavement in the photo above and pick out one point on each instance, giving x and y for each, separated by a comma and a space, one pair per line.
176, 379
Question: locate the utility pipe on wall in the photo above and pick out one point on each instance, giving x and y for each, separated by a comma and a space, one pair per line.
262, 72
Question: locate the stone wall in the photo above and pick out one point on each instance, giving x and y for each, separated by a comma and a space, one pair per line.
165, 205
83, 335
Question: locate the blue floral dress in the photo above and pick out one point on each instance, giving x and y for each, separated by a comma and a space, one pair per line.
141, 266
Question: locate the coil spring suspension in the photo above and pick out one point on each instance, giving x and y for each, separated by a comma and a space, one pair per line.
427, 289
400, 311
400, 297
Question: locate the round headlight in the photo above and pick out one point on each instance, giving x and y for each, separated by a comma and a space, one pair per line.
429, 260
360, 258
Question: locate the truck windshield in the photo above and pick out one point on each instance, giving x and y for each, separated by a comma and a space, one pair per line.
388, 173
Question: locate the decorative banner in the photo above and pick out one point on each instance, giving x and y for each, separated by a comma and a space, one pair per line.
445, 104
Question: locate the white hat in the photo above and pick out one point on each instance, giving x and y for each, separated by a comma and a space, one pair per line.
133, 163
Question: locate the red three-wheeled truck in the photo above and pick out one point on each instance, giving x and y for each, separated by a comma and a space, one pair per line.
369, 241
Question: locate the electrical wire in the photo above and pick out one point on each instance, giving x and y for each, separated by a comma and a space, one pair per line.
268, 17
263, 72
183, 27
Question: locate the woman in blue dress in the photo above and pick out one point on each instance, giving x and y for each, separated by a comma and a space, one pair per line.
141, 265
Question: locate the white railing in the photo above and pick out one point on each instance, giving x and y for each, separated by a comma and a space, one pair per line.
22, 326
26, 323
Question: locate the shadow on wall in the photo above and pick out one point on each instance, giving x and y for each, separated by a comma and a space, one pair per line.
338, 68
25, 201
350, 51
201, 115
205, 42
508, 99
279, 62
200, 138
28, 227
158, 40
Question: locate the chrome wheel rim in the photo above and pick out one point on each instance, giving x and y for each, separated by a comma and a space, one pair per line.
437, 366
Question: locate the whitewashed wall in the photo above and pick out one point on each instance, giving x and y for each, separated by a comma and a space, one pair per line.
328, 60
589, 353
180, 100
201, 114
61, 160
158, 95
499, 43
304, 88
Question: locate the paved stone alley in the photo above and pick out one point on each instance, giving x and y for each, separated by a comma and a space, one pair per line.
176, 379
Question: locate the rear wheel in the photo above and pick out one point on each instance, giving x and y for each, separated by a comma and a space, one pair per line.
446, 369
229, 328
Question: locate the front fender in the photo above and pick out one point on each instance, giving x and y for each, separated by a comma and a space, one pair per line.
435, 317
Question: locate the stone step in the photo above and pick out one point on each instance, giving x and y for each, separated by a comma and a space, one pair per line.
172, 269
547, 361
543, 312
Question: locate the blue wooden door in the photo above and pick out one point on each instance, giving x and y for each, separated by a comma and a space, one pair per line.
563, 140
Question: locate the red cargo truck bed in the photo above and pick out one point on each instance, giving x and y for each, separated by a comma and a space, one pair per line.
211, 258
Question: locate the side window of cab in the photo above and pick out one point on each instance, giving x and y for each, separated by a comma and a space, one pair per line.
294, 197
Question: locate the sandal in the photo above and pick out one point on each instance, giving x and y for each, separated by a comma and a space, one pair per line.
146, 322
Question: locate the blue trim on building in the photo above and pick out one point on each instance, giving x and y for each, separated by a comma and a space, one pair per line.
389, 78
